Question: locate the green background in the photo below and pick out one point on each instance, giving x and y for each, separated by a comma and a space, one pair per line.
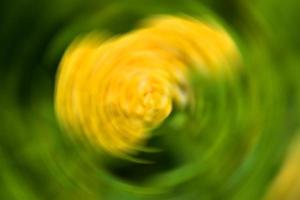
230, 147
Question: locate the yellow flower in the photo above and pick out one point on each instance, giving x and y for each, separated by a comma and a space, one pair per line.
115, 91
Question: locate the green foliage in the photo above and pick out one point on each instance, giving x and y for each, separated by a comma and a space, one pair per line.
230, 147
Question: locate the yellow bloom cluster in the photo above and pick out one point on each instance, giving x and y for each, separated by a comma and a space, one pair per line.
115, 91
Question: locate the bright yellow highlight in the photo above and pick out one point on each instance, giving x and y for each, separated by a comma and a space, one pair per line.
286, 186
114, 92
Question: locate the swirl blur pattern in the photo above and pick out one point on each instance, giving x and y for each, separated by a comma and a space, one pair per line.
115, 91
149, 100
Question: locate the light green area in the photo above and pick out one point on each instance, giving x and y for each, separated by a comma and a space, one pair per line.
229, 147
